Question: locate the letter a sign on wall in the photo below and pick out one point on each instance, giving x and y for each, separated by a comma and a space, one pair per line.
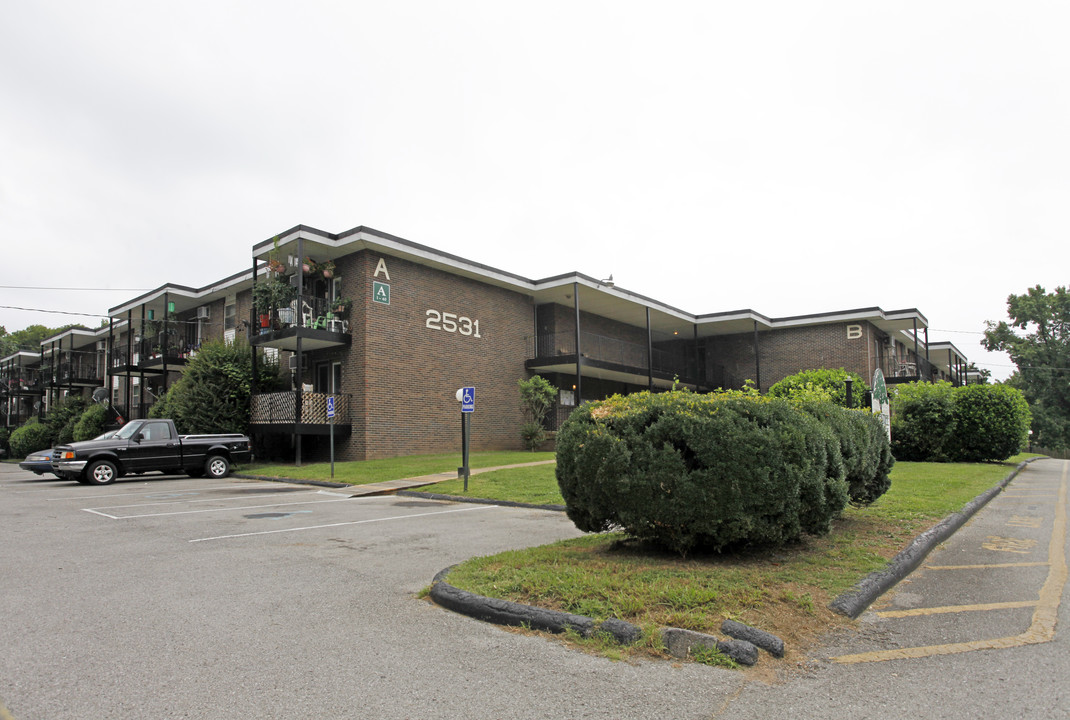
380, 292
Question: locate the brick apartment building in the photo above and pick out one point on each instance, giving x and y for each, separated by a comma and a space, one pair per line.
389, 329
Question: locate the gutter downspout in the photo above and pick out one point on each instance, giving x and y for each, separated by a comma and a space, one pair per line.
649, 354
300, 359
579, 356
757, 359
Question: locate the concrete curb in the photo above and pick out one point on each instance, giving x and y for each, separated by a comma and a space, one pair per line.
677, 641
853, 602
478, 501
505, 612
290, 481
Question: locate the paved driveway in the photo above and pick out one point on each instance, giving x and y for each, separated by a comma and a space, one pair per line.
193, 598
181, 598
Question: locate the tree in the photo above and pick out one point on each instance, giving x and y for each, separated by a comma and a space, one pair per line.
1037, 338
537, 396
28, 339
213, 394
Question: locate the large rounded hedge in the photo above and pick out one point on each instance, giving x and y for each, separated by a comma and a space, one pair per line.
936, 422
867, 455
922, 421
991, 423
29, 438
688, 471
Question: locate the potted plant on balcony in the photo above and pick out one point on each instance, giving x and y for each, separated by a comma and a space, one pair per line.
328, 269
340, 306
270, 295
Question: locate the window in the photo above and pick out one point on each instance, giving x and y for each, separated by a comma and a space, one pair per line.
230, 315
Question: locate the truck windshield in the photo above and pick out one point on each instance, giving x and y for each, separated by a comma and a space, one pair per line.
127, 431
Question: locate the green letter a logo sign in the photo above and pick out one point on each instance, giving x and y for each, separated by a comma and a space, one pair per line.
380, 292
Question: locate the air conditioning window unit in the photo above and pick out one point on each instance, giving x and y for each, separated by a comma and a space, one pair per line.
204, 312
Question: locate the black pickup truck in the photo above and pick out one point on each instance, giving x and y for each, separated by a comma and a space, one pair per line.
144, 446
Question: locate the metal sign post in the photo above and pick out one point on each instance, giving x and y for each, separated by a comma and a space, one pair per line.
330, 416
467, 397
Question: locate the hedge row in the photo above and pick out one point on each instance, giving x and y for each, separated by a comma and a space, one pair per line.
936, 422
687, 471
71, 421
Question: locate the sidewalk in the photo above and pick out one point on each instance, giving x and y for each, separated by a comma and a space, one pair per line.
391, 486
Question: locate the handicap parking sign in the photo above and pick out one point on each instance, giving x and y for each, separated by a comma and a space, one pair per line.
468, 399
330, 406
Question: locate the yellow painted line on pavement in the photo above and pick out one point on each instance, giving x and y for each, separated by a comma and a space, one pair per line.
990, 566
1042, 628
943, 610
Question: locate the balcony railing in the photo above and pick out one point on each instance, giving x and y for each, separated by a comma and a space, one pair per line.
907, 368
305, 312
77, 366
679, 360
295, 407
153, 351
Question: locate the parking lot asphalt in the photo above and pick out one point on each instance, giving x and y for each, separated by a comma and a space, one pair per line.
172, 597
161, 597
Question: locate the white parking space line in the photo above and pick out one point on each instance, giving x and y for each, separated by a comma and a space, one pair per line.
353, 522
204, 500
96, 511
143, 493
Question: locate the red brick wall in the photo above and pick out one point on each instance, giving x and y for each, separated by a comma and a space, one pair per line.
403, 374
784, 352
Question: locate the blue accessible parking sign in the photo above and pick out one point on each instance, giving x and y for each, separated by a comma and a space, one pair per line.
468, 399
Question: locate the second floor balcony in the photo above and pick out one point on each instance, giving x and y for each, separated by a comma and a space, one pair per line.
317, 322
557, 352
908, 368
74, 368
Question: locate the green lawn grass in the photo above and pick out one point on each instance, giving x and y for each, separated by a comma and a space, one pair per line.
535, 485
370, 471
782, 590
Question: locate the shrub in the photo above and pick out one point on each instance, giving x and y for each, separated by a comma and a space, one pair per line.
29, 438
991, 422
864, 446
687, 471
936, 422
537, 396
823, 384
5, 436
91, 423
212, 396
922, 421
61, 420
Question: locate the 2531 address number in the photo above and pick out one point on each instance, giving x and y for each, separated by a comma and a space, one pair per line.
450, 322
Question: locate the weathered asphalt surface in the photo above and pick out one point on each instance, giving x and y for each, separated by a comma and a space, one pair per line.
180, 598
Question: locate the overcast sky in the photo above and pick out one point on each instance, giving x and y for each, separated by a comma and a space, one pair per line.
788, 157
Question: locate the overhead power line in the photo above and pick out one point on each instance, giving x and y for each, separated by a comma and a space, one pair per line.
54, 312
79, 289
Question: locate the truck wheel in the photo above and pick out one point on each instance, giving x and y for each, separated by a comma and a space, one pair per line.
102, 472
217, 467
